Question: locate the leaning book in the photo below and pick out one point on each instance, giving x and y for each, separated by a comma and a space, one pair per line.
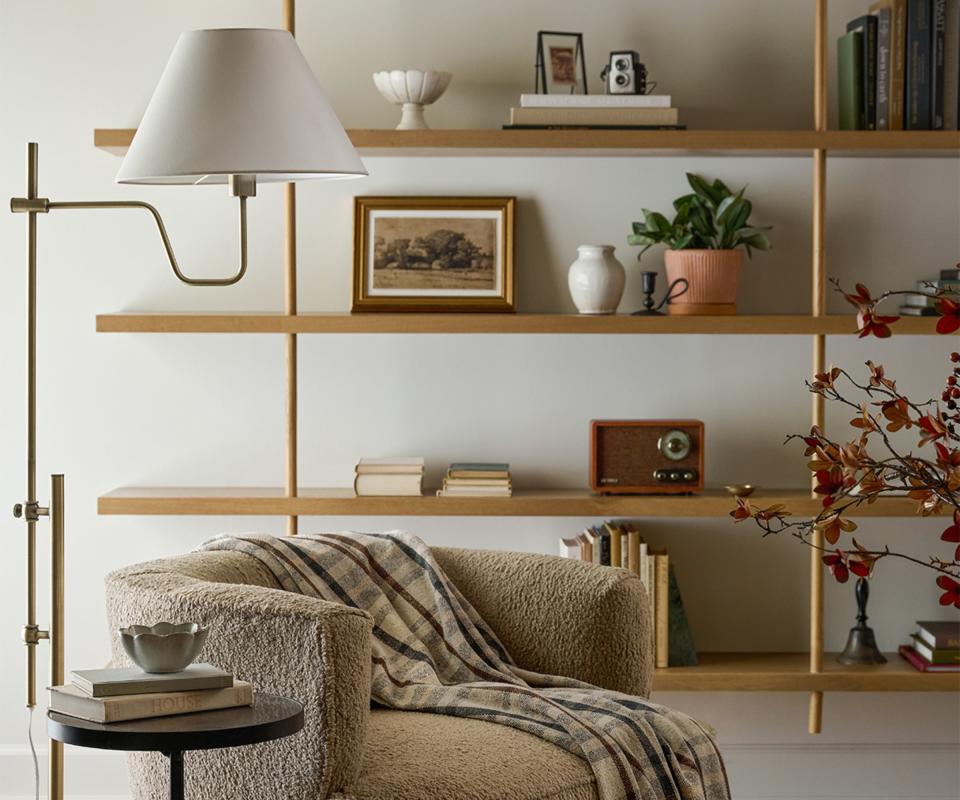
73, 701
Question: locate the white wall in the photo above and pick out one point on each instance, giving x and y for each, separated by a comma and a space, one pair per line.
119, 410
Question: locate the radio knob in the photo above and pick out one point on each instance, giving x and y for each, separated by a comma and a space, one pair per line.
689, 475
674, 475
675, 445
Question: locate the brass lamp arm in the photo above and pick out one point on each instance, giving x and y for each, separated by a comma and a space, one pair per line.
241, 186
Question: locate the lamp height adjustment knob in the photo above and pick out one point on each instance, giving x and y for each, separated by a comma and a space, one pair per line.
18, 510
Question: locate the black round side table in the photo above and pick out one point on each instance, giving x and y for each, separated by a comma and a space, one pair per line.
270, 717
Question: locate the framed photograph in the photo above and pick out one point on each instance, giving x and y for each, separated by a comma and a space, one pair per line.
560, 66
451, 254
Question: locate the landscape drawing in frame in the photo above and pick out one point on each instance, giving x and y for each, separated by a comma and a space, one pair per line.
444, 254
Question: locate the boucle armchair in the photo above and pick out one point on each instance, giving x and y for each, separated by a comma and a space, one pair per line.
554, 616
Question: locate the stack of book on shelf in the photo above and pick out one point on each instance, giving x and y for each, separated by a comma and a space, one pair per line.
618, 544
898, 67
924, 302
476, 480
600, 111
935, 647
388, 477
115, 695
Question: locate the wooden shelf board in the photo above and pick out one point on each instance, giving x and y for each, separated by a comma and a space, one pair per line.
772, 324
789, 672
241, 501
495, 142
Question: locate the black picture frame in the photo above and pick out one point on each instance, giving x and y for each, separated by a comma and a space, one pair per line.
540, 69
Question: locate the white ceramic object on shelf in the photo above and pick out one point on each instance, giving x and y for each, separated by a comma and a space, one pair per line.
412, 89
596, 279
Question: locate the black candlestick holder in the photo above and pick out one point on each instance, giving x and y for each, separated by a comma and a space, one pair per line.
648, 285
861, 643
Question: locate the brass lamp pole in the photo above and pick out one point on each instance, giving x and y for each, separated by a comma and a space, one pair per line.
30, 510
235, 107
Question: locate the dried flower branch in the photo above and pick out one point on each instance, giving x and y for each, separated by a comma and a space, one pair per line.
849, 474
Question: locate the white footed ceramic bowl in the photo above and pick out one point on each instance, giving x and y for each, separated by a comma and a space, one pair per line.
164, 647
412, 89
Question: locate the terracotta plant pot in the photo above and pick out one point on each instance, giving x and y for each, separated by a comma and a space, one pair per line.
713, 276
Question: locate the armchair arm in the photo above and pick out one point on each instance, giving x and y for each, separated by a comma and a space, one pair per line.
561, 617
281, 642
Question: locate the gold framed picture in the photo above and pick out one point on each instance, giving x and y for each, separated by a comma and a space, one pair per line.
445, 254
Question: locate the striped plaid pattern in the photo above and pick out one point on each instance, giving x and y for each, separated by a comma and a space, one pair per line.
433, 653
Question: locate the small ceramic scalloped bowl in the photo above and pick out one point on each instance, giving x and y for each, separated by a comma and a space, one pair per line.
412, 89
164, 647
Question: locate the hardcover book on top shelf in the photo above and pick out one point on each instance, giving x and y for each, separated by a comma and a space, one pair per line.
595, 111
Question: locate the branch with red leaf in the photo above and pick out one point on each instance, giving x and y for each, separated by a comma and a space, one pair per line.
849, 474
872, 323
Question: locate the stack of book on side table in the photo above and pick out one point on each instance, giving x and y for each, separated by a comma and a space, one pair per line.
924, 302
935, 647
388, 477
600, 111
476, 480
618, 544
119, 694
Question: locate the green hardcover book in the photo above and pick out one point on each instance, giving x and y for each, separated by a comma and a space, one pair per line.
935, 656
682, 652
850, 80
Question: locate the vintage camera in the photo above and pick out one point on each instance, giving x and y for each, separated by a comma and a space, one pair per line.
624, 74
646, 456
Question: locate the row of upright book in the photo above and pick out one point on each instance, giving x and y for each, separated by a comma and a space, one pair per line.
403, 477
923, 303
620, 544
595, 111
934, 647
898, 67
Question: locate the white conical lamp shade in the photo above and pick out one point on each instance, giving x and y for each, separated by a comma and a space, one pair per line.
238, 102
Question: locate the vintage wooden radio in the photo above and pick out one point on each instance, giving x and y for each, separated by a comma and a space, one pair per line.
659, 456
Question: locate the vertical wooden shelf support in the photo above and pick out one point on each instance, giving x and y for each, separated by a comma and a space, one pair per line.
818, 305
290, 308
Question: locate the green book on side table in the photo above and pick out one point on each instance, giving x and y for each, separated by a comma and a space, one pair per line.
850, 80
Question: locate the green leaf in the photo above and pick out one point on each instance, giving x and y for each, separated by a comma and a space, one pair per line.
703, 189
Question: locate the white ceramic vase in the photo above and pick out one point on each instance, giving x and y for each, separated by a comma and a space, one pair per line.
596, 279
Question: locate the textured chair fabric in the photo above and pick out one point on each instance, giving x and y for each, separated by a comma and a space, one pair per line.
554, 615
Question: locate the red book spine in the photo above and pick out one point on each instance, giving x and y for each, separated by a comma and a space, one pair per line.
921, 664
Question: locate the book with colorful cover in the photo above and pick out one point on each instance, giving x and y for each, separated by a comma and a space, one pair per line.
922, 665
935, 656
940, 634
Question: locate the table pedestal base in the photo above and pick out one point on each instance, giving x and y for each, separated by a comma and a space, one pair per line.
176, 774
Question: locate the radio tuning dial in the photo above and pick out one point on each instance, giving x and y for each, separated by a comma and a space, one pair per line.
675, 445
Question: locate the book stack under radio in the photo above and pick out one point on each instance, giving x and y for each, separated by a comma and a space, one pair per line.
617, 544
923, 303
934, 647
388, 477
119, 694
469, 479
599, 111
898, 67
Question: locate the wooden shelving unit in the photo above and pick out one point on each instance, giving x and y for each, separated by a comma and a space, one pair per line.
500, 143
524, 503
813, 671
790, 672
773, 324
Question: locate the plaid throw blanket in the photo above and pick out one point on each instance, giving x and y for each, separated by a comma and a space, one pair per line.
432, 652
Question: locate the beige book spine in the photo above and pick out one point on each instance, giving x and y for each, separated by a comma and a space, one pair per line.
594, 116
633, 552
615, 545
662, 618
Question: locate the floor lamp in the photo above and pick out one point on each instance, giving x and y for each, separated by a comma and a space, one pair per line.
232, 107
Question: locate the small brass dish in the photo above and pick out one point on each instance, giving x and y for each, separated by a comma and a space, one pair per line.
741, 489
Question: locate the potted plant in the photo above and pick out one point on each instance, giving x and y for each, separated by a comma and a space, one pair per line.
706, 240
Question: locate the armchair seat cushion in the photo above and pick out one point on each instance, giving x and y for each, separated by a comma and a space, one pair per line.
413, 756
